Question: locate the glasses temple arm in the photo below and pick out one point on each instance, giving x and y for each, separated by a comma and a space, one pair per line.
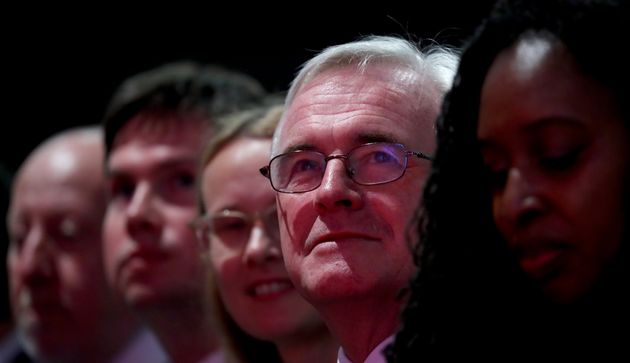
265, 171
420, 155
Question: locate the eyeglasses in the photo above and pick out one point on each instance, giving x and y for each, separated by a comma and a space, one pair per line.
235, 227
369, 164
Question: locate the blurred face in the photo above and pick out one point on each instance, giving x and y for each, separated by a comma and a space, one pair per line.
151, 254
345, 240
246, 259
57, 285
557, 151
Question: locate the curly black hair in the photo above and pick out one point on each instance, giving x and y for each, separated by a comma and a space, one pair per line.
470, 299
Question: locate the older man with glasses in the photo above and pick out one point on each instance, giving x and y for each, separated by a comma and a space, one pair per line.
349, 160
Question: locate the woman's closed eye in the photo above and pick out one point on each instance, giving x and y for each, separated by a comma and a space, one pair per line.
225, 224
560, 161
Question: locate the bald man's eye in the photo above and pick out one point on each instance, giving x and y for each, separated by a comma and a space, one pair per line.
16, 240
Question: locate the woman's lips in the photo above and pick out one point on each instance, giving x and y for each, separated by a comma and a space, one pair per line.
541, 260
269, 289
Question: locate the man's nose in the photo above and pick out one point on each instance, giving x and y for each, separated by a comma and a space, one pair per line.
142, 215
36, 255
337, 189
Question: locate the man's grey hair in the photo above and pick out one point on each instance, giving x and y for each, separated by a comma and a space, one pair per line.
435, 64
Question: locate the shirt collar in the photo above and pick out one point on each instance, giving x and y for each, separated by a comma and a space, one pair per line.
375, 356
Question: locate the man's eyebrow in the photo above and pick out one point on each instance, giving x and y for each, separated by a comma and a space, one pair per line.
298, 147
366, 138
362, 138
161, 166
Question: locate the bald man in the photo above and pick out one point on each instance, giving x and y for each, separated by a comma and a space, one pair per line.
59, 295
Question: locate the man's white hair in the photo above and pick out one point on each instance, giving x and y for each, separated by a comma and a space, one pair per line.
435, 64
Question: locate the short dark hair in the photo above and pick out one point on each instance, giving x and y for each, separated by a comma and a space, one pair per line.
184, 87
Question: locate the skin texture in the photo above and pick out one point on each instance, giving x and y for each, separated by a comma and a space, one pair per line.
346, 246
557, 152
152, 255
59, 293
250, 274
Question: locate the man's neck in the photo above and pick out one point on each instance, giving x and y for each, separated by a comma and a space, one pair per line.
183, 330
361, 325
312, 347
119, 331
109, 339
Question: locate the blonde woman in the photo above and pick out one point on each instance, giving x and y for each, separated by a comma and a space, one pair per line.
262, 316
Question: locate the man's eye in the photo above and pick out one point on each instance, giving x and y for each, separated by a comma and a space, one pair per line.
183, 180
381, 157
178, 188
305, 165
17, 240
121, 189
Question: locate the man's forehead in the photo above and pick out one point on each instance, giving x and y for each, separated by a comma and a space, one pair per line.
59, 200
385, 103
361, 84
162, 127
340, 136
370, 123
126, 162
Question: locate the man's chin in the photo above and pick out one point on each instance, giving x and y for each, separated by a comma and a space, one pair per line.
46, 344
331, 287
36, 326
140, 296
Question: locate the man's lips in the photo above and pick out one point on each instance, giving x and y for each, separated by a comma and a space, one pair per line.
339, 237
142, 259
40, 303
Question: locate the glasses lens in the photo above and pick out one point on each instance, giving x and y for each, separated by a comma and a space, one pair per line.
231, 229
298, 171
377, 163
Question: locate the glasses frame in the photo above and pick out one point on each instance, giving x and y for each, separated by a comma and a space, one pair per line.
203, 226
266, 170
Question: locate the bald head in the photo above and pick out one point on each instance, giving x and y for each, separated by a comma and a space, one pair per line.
73, 158
59, 296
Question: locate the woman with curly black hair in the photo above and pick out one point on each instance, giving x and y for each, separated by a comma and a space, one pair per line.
525, 214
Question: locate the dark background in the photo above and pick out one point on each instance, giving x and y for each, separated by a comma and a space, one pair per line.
62, 64
62, 69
